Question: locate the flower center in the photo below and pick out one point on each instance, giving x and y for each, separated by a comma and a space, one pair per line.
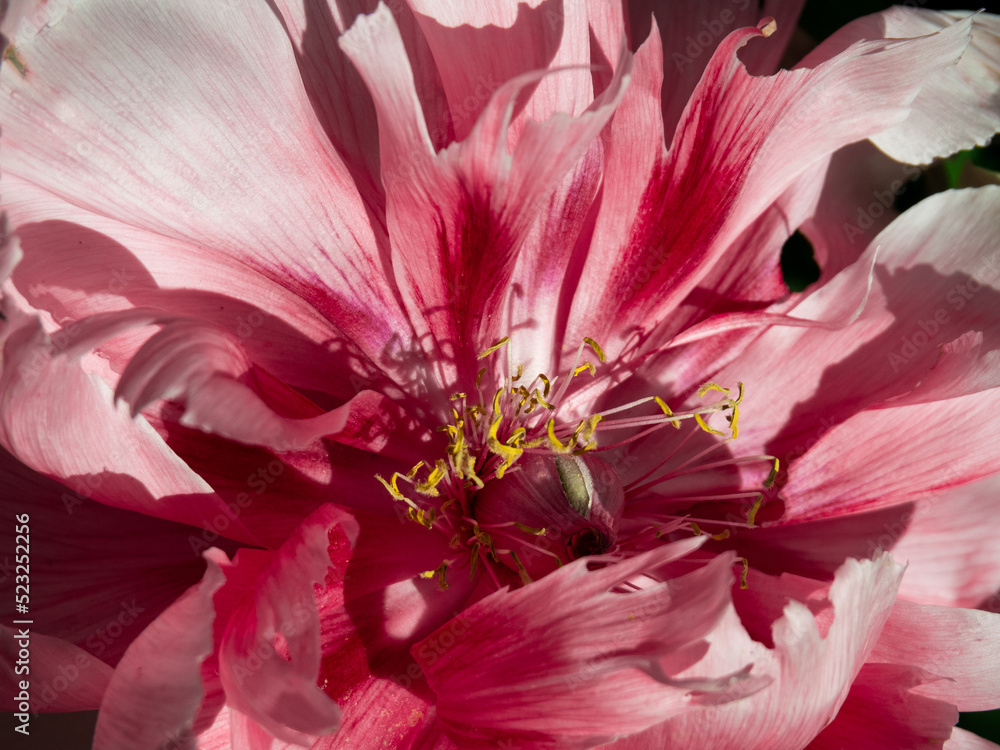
520, 489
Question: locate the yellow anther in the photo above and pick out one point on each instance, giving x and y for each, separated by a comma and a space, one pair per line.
743, 575
393, 489
596, 347
666, 410
507, 453
424, 518
584, 433
695, 529
457, 445
496, 402
529, 529
479, 377
484, 540
734, 420
516, 437
545, 382
456, 396
497, 345
772, 475
439, 573
704, 425
525, 578
540, 398
585, 366
724, 534
520, 372
710, 386
413, 472
428, 486
556, 444
536, 442
752, 515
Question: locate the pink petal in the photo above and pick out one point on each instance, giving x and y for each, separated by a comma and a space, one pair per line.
60, 420
933, 461
378, 602
952, 557
271, 493
156, 688
940, 250
381, 713
956, 107
341, 99
768, 131
457, 218
560, 663
59, 675
956, 645
77, 263
811, 674
859, 194
882, 710
692, 29
203, 366
270, 655
222, 152
965, 740
479, 46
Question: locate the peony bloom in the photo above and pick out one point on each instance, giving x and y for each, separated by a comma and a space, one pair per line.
423, 376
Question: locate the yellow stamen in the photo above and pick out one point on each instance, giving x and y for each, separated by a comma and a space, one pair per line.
507, 453
695, 529
541, 398
585, 366
439, 573
520, 372
584, 433
529, 529
743, 575
547, 385
516, 437
557, 446
596, 347
456, 396
710, 386
497, 345
704, 425
424, 518
394, 489
752, 515
525, 578
666, 410
427, 487
772, 475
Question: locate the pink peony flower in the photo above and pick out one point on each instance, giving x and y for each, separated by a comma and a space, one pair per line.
423, 376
